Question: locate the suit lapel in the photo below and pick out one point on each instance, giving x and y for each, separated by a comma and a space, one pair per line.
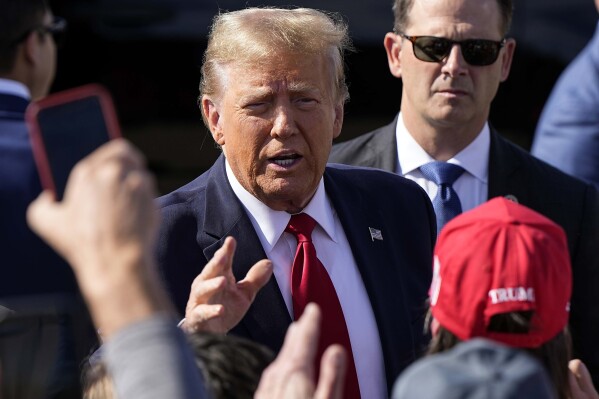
384, 147
372, 258
503, 166
267, 319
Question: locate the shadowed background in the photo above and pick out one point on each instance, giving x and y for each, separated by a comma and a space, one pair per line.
148, 54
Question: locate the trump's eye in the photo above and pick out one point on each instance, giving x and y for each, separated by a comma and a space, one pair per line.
306, 102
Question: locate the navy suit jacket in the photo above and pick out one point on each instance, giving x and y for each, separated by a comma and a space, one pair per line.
28, 265
567, 135
396, 271
567, 201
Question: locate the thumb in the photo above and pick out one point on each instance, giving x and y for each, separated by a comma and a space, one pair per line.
43, 217
256, 278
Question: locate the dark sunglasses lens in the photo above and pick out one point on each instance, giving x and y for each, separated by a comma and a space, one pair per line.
431, 49
480, 52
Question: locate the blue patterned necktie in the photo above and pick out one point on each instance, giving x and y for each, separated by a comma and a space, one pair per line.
446, 203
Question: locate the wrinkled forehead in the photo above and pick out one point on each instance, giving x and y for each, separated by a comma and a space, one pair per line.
299, 72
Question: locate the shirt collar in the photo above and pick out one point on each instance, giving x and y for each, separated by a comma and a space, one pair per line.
9, 86
272, 223
474, 158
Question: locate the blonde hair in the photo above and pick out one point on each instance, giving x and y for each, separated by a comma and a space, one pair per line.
254, 35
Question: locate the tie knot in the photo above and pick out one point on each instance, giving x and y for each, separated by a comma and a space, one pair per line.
301, 226
441, 172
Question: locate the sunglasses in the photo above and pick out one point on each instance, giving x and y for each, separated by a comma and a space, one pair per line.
477, 52
57, 29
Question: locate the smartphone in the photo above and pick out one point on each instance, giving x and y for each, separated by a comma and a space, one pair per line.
65, 127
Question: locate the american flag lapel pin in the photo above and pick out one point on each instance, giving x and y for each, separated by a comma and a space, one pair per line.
375, 234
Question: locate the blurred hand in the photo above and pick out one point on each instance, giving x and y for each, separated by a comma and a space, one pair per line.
217, 302
105, 227
291, 375
581, 384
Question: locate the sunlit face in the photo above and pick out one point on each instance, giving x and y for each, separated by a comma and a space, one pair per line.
451, 92
276, 122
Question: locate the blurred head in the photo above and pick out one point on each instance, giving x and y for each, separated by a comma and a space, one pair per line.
27, 50
230, 365
502, 271
272, 95
478, 368
455, 89
96, 382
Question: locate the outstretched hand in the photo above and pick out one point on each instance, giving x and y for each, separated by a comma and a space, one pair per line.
217, 302
105, 227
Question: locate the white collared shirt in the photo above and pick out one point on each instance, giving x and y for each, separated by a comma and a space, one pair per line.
335, 254
9, 86
472, 186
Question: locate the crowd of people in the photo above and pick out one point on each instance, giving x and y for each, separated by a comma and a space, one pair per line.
428, 258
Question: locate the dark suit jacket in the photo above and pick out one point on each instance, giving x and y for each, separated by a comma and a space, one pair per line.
35, 280
569, 202
396, 271
29, 266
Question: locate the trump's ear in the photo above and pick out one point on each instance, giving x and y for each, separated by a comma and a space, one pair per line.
211, 113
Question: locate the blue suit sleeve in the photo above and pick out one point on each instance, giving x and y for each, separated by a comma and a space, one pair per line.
567, 135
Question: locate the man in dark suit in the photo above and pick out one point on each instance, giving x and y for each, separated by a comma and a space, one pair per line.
451, 58
35, 280
27, 66
273, 100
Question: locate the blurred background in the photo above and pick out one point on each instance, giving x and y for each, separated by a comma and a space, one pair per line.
148, 54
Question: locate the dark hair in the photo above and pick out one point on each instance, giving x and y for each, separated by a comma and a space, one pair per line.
401, 10
231, 366
17, 17
554, 354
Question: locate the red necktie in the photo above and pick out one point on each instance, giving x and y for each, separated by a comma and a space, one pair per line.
310, 282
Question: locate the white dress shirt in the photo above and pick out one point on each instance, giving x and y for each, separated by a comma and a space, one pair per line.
335, 254
472, 186
9, 86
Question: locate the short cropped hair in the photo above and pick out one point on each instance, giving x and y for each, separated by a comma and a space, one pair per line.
402, 8
253, 35
16, 18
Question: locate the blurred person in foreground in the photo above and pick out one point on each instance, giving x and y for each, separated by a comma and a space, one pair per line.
476, 369
105, 227
451, 56
502, 272
231, 367
356, 241
567, 134
44, 311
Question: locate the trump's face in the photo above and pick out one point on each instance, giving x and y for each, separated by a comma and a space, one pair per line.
276, 123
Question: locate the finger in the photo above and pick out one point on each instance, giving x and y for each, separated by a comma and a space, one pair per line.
117, 149
301, 340
583, 379
43, 216
332, 373
256, 278
221, 262
205, 290
197, 319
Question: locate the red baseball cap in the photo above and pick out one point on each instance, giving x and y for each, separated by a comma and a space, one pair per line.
502, 257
